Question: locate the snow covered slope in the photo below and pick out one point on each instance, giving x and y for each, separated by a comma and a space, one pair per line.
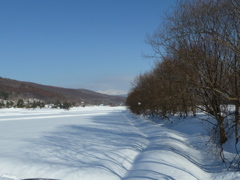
102, 143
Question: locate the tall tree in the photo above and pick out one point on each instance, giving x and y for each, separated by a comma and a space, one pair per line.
204, 35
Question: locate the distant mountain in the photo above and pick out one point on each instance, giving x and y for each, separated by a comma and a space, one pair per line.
124, 95
14, 90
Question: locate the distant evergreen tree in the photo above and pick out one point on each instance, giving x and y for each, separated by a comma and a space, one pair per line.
20, 103
34, 104
42, 105
2, 104
4, 95
9, 104
66, 105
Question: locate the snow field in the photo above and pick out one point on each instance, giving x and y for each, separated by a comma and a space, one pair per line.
103, 143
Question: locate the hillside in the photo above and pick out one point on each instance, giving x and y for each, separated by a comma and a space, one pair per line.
13, 90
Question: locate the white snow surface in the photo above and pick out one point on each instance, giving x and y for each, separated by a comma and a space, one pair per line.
103, 143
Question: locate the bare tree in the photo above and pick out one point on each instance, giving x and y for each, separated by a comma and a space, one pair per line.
203, 35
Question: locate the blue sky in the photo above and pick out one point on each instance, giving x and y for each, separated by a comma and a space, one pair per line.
90, 44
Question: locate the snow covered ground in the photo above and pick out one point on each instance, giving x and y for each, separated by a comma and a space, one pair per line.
103, 143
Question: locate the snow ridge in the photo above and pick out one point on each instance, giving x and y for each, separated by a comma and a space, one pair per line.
164, 147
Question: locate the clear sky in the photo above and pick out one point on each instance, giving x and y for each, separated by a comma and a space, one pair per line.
90, 44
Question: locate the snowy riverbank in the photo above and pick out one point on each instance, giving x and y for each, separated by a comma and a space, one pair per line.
103, 143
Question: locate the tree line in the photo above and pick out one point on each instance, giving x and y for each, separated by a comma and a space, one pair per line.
197, 53
36, 104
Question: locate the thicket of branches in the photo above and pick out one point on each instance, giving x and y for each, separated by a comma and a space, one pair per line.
198, 54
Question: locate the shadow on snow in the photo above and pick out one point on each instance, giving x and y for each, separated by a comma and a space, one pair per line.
108, 143
116, 143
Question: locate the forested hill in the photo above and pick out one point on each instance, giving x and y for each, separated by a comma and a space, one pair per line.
14, 90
